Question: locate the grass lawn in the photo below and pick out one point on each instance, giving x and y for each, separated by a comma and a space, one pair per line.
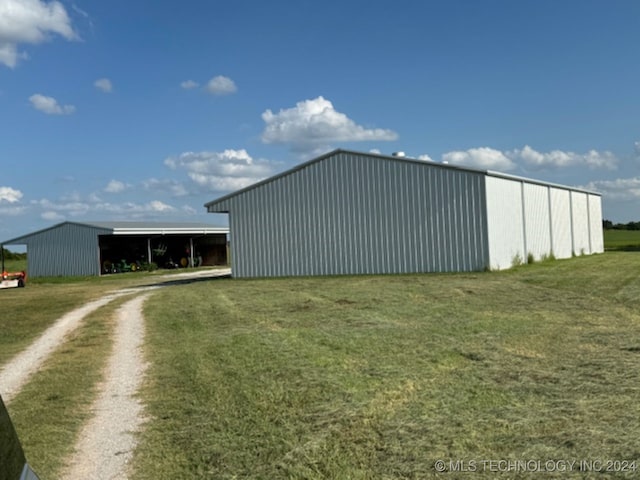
27, 312
15, 265
377, 377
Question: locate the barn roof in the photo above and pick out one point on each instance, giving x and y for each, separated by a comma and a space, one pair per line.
133, 228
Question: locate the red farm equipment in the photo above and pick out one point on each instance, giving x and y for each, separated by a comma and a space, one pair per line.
11, 279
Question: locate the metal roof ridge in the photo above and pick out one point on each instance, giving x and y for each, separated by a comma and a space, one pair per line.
395, 159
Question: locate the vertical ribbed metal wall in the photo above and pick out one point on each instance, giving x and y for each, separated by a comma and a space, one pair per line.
67, 250
354, 213
561, 245
537, 220
595, 224
528, 218
505, 222
580, 223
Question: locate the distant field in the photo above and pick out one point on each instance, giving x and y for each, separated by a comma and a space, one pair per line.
15, 265
622, 240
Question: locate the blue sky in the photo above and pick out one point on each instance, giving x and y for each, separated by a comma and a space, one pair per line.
146, 110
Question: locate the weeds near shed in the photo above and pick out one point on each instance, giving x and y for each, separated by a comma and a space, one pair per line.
516, 261
548, 257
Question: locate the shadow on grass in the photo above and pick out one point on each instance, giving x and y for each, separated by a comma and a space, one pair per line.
185, 281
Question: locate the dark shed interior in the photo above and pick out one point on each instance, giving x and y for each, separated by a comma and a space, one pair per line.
130, 252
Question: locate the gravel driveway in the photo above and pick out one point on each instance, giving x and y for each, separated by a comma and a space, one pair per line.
107, 441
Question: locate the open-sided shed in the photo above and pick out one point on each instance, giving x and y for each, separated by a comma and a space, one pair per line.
94, 248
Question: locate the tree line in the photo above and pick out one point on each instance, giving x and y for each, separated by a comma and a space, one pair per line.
609, 225
9, 255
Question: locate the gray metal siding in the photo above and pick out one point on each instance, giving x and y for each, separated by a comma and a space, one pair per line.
354, 214
67, 250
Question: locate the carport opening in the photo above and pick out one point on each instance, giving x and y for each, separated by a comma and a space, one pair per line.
120, 253
13, 257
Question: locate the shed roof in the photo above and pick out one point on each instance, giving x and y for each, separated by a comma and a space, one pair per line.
211, 206
133, 228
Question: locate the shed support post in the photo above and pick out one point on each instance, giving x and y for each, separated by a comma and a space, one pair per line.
191, 251
149, 250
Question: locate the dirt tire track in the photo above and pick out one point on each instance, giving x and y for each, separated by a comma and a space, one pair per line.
15, 374
106, 443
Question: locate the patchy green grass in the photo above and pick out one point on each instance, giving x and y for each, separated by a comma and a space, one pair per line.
622, 240
377, 377
29, 311
15, 265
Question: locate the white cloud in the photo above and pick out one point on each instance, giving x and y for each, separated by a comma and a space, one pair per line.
221, 171
10, 195
489, 158
619, 189
12, 210
72, 206
483, 157
33, 22
52, 216
425, 157
221, 85
134, 210
313, 124
103, 84
189, 210
50, 106
158, 206
116, 186
175, 188
562, 159
76, 207
189, 84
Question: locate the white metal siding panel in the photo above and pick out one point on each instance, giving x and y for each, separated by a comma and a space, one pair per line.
536, 219
353, 214
505, 227
580, 223
562, 243
595, 224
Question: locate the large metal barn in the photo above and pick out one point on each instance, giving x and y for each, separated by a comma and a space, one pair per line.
360, 213
95, 248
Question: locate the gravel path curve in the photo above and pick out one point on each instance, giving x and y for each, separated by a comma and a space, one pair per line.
107, 441
19, 369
